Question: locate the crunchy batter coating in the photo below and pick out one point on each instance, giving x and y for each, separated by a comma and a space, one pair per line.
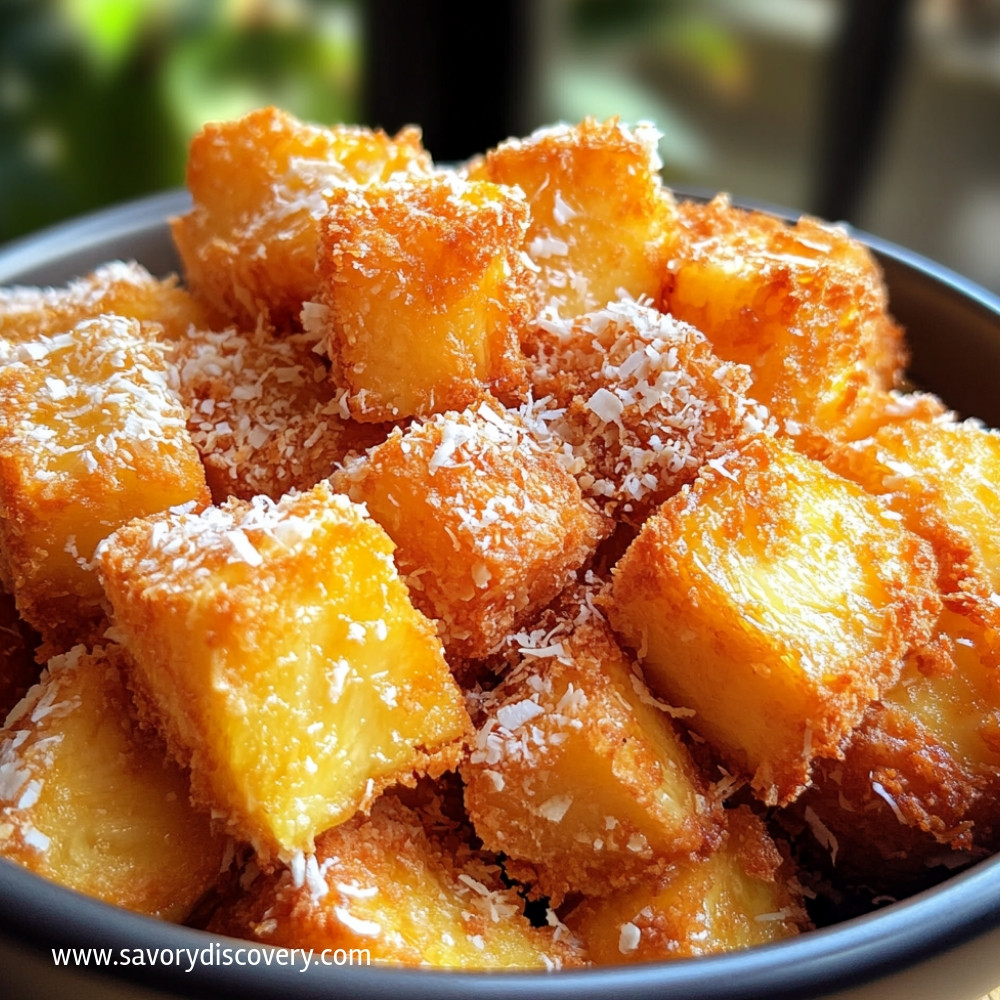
803, 305
488, 525
743, 894
262, 413
394, 884
641, 400
259, 186
601, 220
423, 295
302, 681
776, 600
90, 800
577, 770
91, 435
119, 287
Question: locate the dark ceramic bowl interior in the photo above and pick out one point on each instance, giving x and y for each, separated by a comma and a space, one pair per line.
940, 944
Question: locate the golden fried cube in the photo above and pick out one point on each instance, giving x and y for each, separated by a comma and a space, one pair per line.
740, 896
488, 525
576, 770
91, 801
302, 680
248, 244
124, 288
803, 305
262, 412
642, 399
776, 600
91, 435
921, 774
385, 888
423, 287
601, 221
943, 478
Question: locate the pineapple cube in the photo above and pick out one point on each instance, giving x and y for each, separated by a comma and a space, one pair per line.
488, 524
91, 435
803, 305
576, 770
641, 399
126, 289
302, 680
776, 599
393, 888
943, 478
91, 801
262, 413
601, 221
248, 244
921, 774
740, 896
422, 294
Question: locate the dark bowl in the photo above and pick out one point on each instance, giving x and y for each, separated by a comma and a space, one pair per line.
940, 944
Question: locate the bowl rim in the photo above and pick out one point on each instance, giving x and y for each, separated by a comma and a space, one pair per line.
40, 915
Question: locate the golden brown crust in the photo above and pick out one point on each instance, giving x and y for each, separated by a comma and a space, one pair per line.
770, 569
248, 244
387, 884
425, 291
803, 305
601, 221
487, 523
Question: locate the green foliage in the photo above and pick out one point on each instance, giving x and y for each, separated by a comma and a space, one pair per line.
99, 98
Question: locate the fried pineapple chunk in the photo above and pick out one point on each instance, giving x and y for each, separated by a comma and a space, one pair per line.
488, 525
124, 288
943, 478
601, 221
576, 770
422, 295
277, 650
921, 774
262, 413
803, 305
776, 599
91, 801
643, 402
91, 435
248, 244
740, 896
402, 893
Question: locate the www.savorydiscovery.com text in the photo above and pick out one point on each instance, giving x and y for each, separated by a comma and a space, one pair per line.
215, 954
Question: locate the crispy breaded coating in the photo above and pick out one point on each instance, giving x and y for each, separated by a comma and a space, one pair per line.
576, 769
488, 524
601, 221
91, 435
91, 801
741, 895
262, 412
120, 287
776, 600
409, 893
803, 305
259, 187
921, 774
302, 680
943, 478
645, 402
423, 294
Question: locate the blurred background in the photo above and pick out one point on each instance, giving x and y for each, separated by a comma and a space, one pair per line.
884, 113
